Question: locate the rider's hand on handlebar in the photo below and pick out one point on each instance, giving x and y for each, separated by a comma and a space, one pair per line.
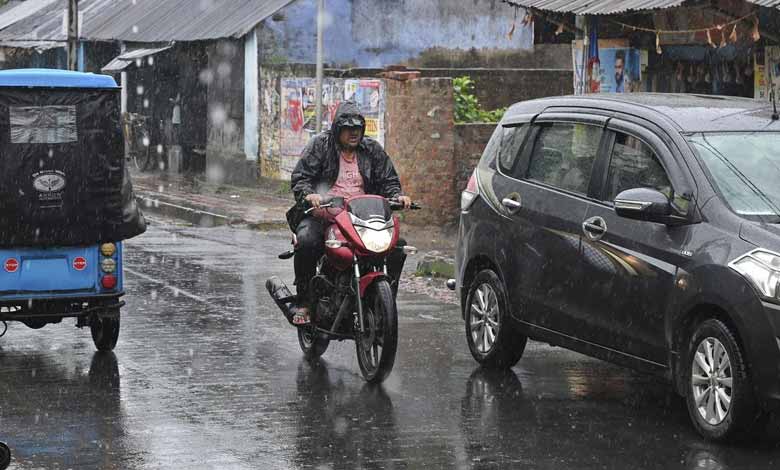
406, 201
315, 200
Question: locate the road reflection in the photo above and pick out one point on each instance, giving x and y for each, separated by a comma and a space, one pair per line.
62, 415
342, 426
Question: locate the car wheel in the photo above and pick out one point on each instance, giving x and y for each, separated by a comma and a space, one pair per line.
719, 394
492, 340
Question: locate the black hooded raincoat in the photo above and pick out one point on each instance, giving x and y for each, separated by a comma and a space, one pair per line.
318, 168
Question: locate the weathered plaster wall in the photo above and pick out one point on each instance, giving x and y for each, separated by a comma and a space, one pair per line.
370, 33
225, 157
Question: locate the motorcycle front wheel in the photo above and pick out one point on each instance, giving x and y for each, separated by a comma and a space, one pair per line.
377, 345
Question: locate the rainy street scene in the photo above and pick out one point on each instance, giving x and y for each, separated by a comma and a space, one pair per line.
374, 234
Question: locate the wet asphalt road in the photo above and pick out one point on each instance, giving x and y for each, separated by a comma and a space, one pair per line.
208, 375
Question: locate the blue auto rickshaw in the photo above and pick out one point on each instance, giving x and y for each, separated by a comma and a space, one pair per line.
66, 201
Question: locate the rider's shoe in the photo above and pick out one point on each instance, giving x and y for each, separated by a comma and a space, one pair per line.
301, 315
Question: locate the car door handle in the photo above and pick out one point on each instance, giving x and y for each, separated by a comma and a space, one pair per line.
512, 205
594, 228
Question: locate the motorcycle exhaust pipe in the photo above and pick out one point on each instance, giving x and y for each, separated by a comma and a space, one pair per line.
281, 295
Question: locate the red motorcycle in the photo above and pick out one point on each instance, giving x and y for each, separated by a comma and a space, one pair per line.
353, 296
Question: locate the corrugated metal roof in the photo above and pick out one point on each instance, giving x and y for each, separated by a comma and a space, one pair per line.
21, 10
123, 61
180, 20
138, 21
609, 7
46, 24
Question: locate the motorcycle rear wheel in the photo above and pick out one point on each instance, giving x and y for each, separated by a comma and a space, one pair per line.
376, 347
313, 344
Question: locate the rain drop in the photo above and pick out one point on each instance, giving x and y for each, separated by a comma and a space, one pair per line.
159, 149
152, 259
146, 141
153, 295
218, 114
135, 28
139, 90
206, 76
175, 292
146, 102
51, 153
224, 69
150, 60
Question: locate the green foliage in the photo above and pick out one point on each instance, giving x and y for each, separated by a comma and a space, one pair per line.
467, 107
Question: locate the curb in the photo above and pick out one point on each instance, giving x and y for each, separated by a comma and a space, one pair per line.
199, 215
203, 218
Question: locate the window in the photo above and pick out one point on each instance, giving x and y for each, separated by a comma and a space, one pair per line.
488, 159
564, 154
634, 165
42, 124
511, 142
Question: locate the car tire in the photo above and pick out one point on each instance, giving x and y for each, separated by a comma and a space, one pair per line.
719, 391
492, 340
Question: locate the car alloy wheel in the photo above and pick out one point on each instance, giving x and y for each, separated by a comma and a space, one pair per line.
484, 318
712, 380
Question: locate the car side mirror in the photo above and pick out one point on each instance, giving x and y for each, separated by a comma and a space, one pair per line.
647, 204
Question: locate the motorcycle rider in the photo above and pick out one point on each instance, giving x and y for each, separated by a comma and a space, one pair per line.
339, 162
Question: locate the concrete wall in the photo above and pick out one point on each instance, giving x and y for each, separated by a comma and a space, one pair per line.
498, 88
371, 33
421, 140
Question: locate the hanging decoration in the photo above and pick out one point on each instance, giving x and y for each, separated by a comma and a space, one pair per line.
755, 35
511, 32
725, 37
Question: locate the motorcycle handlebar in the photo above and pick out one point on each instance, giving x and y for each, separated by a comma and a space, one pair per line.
394, 205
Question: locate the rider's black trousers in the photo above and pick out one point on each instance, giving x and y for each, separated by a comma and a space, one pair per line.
311, 246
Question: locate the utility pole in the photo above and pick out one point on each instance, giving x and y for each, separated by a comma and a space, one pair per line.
73, 34
320, 27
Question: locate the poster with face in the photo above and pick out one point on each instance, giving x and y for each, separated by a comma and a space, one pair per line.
617, 69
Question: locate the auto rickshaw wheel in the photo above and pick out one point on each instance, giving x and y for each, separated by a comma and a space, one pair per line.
5, 456
105, 329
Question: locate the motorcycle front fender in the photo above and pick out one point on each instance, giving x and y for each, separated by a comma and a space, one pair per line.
367, 279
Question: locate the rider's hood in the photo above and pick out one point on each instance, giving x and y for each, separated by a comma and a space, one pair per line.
347, 114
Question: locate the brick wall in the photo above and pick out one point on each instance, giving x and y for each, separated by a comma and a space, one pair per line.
421, 140
470, 141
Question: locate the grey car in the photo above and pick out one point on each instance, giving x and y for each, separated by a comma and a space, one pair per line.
641, 229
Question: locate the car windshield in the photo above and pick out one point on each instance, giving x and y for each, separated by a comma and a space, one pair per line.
745, 168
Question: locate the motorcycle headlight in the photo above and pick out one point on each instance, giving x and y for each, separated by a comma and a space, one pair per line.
762, 269
376, 236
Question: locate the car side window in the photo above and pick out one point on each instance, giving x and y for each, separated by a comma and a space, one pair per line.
490, 153
564, 154
511, 142
634, 165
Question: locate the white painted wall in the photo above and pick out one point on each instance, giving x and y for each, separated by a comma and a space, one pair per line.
251, 97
